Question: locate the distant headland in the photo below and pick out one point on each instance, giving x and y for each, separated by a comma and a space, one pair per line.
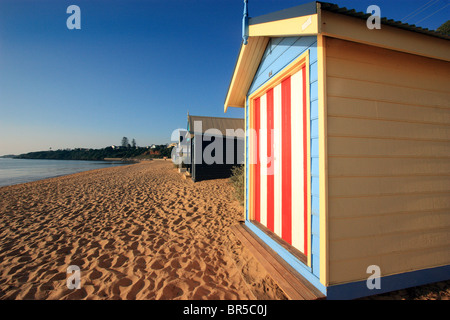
108, 153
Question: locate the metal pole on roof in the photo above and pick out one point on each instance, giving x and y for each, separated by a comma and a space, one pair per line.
245, 23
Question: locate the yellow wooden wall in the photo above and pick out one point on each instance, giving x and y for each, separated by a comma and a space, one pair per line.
388, 149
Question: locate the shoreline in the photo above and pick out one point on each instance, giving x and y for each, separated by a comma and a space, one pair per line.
123, 163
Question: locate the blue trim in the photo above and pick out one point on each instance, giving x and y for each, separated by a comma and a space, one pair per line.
301, 268
247, 170
314, 159
279, 53
395, 282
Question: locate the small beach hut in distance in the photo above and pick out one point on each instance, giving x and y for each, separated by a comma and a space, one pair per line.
215, 146
347, 150
181, 150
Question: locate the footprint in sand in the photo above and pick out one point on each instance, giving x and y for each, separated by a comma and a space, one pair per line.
14, 269
78, 294
121, 285
105, 261
135, 290
95, 274
158, 264
140, 263
136, 245
59, 277
120, 261
175, 264
201, 293
177, 221
107, 244
138, 231
170, 291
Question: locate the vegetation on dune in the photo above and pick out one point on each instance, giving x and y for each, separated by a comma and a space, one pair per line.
237, 179
444, 28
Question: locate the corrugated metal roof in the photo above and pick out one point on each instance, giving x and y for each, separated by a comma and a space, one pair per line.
310, 8
390, 22
221, 124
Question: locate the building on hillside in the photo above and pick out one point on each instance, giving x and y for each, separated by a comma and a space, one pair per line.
171, 145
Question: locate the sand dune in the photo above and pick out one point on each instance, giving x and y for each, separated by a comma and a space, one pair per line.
136, 232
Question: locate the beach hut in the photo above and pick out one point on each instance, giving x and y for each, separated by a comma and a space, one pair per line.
215, 146
347, 150
181, 150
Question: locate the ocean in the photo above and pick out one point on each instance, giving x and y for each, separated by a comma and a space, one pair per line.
15, 171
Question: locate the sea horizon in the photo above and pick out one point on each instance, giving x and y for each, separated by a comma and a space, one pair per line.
15, 171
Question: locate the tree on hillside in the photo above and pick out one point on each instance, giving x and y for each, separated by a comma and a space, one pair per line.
125, 142
444, 28
133, 143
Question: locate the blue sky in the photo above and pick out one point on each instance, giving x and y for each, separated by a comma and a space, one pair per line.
134, 69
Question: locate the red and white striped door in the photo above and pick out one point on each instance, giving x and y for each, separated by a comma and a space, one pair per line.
279, 160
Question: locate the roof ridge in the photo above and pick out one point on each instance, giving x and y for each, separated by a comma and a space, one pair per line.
311, 8
332, 7
215, 117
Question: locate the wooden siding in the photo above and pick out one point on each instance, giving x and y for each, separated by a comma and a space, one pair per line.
388, 149
355, 29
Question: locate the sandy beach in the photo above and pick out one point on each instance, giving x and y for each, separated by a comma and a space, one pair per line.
135, 232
